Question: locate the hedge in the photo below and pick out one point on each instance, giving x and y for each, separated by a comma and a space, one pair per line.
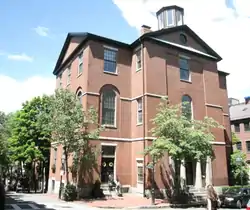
234, 187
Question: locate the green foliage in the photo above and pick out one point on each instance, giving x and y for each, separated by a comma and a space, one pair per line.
70, 193
4, 135
240, 170
70, 125
234, 187
180, 136
235, 139
28, 141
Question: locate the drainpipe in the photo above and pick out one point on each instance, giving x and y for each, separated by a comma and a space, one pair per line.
143, 118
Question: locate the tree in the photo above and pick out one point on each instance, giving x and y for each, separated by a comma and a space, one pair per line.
29, 142
235, 139
180, 136
239, 168
70, 125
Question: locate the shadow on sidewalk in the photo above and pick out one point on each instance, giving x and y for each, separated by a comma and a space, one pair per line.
13, 200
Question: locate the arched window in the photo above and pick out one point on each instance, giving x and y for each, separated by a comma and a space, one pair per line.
79, 95
187, 107
108, 107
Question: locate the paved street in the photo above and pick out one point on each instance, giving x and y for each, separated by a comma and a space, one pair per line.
19, 201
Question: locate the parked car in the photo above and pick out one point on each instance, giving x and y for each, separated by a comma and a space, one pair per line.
248, 205
235, 197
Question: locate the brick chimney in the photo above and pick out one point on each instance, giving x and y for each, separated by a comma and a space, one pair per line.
145, 29
247, 99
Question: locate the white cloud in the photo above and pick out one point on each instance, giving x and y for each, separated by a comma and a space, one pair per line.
225, 32
42, 31
13, 93
20, 57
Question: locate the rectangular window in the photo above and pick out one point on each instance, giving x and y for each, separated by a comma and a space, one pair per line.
68, 75
170, 20
184, 69
55, 155
108, 107
238, 146
246, 126
140, 171
80, 63
139, 111
237, 127
110, 61
53, 185
138, 60
248, 146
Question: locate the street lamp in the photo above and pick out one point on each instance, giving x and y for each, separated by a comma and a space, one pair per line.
239, 161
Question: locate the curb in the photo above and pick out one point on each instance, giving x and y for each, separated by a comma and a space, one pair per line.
153, 206
135, 207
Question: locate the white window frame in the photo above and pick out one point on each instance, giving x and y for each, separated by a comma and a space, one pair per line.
139, 109
139, 164
68, 70
77, 95
181, 69
138, 51
109, 49
80, 63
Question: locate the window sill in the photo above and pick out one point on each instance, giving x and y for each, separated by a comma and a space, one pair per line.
139, 182
187, 81
110, 126
138, 124
138, 70
79, 75
111, 73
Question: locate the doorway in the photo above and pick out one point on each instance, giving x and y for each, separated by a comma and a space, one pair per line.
190, 173
108, 162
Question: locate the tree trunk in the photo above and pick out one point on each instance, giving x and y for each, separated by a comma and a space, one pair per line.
66, 166
177, 165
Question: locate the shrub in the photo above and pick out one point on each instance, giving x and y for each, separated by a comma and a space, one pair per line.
234, 187
70, 192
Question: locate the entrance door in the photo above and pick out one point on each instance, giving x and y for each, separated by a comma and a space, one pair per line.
107, 168
108, 162
189, 173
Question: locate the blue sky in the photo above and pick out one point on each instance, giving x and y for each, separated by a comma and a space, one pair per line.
33, 32
21, 18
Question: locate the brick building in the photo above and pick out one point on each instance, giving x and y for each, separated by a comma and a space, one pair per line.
125, 82
240, 119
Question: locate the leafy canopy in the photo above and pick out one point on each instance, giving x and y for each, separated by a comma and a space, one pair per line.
28, 140
239, 167
179, 135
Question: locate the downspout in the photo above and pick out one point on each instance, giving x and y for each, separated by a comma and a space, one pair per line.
143, 118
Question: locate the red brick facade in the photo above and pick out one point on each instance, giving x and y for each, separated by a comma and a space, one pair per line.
159, 76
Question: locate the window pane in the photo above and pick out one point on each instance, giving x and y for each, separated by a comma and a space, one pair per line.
110, 60
140, 174
183, 63
248, 146
80, 68
170, 17
108, 107
239, 146
80, 56
138, 59
139, 119
109, 66
237, 127
108, 150
184, 74
246, 126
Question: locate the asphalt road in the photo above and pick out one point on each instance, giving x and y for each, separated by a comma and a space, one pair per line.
21, 201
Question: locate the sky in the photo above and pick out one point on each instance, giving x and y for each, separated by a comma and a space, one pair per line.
33, 33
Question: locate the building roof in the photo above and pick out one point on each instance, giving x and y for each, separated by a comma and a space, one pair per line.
239, 111
150, 35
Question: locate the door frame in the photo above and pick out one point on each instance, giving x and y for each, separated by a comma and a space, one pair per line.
111, 156
139, 163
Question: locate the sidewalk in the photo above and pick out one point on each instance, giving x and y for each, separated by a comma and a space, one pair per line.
127, 201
